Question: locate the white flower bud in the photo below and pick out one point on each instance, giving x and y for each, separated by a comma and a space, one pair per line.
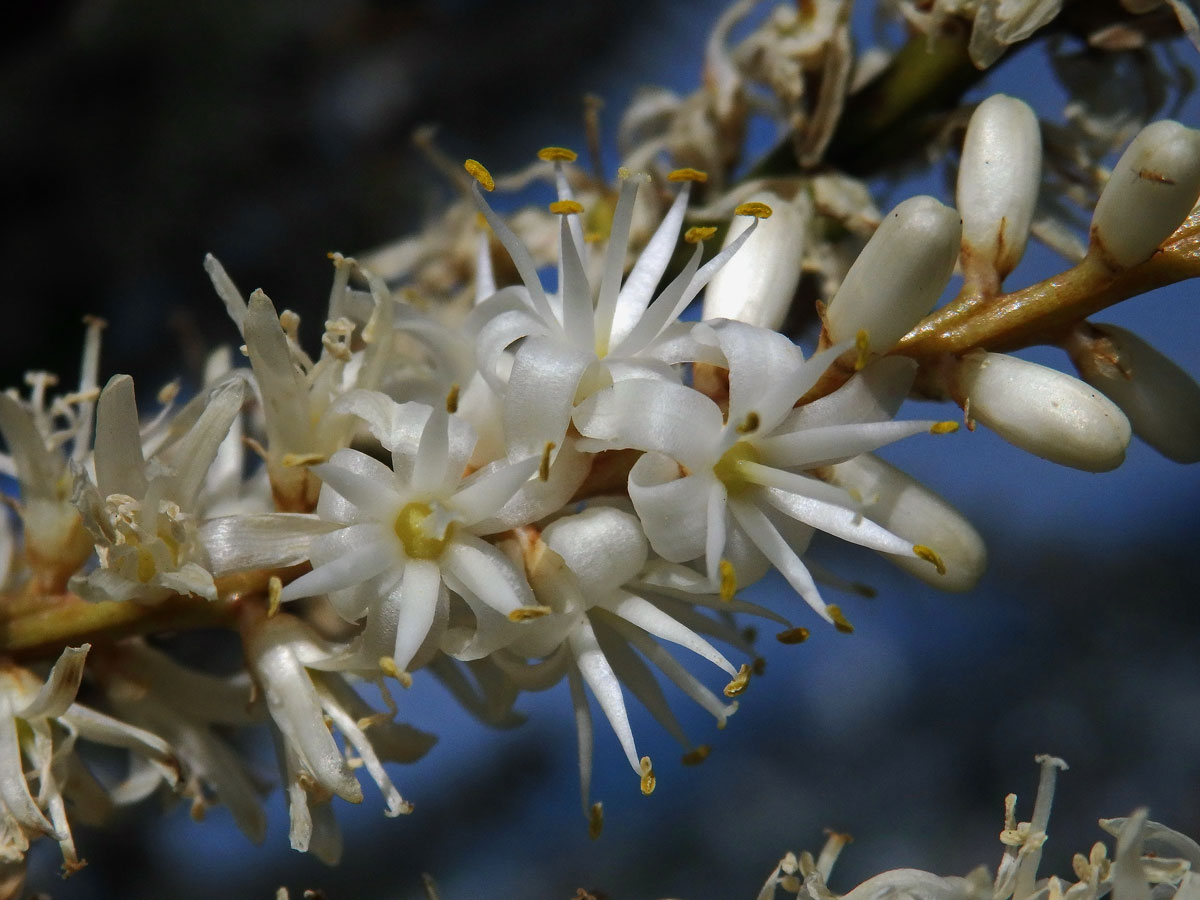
907, 508
1152, 189
1042, 410
1161, 400
898, 276
757, 285
998, 180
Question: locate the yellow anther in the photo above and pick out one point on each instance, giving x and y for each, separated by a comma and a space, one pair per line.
168, 392
623, 172
544, 465
729, 583
566, 207
797, 635
740, 680
862, 346
388, 666
274, 589
595, 820
839, 620
699, 233
477, 171
943, 427
452, 399
753, 208
557, 154
648, 779
697, 756
759, 666
749, 424
930, 556
688, 174
294, 460
526, 613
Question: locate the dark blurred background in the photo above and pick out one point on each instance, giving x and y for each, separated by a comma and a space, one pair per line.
135, 136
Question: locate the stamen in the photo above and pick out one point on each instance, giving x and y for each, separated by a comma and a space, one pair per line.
481, 222
595, 820
930, 556
839, 620
557, 154
389, 667
729, 583
753, 208
749, 424
526, 613
797, 635
274, 589
759, 665
943, 428
688, 174
648, 779
452, 399
699, 233
697, 756
738, 685
566, 207
477, 171
168, 392
544, 465
294, 460
623, 173
862, 344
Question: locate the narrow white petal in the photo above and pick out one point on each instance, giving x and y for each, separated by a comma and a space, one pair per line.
583, 734
604, 686
61, 685
662, 312
872, 395
812, 447
757, 360
541, 394
430, 471
38, 469
575, 291
417, 594
235, 305
645, 615
120, 466
614, 260
782, 557
489, 489
647, 414
269, 541
14, 790
844, 522
357, 566
374, 494
284, 395
487, 573
637, 677
197, 449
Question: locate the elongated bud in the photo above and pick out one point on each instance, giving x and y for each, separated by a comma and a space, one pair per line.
757, 285
998, 180
907, 508
1152, 189
898, 276
1160, 399
1042, 410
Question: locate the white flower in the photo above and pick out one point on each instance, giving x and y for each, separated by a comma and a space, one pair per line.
583, 337
40, 723
141, 513
283, 654
411, 532
733, 489
608, 609
43, 436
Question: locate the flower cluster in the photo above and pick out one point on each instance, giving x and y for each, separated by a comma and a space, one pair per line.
574, 483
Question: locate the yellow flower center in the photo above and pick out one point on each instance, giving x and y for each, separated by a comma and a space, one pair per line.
728, 468
419, 542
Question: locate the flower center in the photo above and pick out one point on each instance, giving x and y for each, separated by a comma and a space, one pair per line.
418, 534
728, 469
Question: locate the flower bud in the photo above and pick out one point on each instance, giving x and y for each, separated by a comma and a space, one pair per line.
1151, 191
757, 285
898, 276
998, 180
1042, 410
1161, 400
907, 508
